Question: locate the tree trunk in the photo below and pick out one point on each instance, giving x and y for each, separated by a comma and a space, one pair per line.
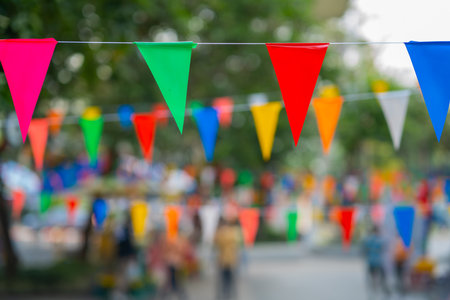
10, 257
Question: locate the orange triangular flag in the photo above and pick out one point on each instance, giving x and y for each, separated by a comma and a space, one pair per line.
249, 219
145, 126
38, 134
55, 119
18, 202
172, 215
327, 115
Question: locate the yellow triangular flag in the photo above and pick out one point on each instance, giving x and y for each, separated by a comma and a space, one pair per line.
139, 213
266, 120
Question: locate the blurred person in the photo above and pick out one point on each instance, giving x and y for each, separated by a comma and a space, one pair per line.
401, 256
227, 242
176, 251
126, 255
374, 248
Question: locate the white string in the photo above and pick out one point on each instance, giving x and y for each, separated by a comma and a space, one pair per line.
114, 117
224, 44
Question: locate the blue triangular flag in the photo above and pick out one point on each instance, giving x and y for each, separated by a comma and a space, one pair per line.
404, 220
125, 112
208, 125
100, 210
447, 189
431, 62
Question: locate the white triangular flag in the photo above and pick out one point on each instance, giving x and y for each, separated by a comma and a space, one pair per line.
394, 106
209, 216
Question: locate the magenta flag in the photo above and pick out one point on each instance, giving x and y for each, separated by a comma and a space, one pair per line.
25, 63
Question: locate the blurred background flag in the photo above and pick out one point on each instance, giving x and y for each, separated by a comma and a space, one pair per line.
209, 216
266, 121
291, 218
208, 126
431, 62
172, 216
249, 219
161, 113
145, 126
38, 133
92, 131
18, 202
139, 213
394, 106
224, 107
328, 110
100, 210
169, 64
346, 220
125, 112
46, 200
25, 63
297, 67
404, 220
72, 203
55, 118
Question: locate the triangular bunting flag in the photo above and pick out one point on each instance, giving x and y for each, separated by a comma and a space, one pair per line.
25, 63
18, 203
292, 234
38, 133
46, 200
169, 64
172, 216
139, 213
404, 220
394, 106
208, 126
100, 211
92, 131
377, 213
125, 112
431, 62
145, 126
297, 67
224, 107
266, 121
161, 113
327, 115
249, 219
72, 206
55, 118
209, 216
346, 220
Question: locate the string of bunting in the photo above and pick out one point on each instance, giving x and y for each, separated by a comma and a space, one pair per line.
296, 65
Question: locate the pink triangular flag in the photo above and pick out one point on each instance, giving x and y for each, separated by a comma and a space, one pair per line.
25, 63
38, 140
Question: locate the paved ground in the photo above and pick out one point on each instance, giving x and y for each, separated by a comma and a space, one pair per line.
279, 273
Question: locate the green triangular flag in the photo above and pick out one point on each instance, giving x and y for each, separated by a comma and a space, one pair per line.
92, 131
291, 217
46, 199
169, 64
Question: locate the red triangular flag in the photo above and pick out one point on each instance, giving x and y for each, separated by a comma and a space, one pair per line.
249, 219
25, 63
38, 133
72, 205
297, 67
18, 202
224, 106
346, 220
161, 113
145, 126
